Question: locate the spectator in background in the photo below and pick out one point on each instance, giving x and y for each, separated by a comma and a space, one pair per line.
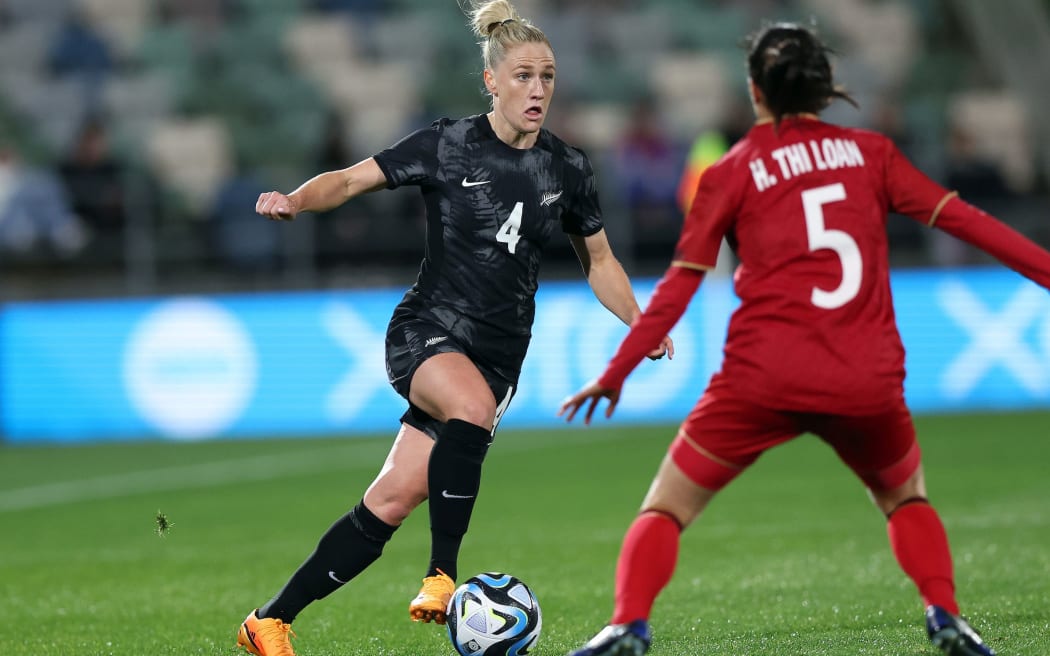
339, 231
239, 240
94, 180
978, 179
35, 218
888, 118
79, 51
346, 233
971, 173
648, 164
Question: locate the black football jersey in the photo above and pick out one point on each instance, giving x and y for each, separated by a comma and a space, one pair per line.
491, 209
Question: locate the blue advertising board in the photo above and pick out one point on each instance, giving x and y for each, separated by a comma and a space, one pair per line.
192, 368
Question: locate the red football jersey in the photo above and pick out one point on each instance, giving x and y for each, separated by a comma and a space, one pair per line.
805, 207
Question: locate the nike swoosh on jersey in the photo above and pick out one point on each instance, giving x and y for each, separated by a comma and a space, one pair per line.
467, 183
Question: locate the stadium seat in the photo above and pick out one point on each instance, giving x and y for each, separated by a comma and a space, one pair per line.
997, 122
380, 96
277, 9
24, 46
57, 107
600, 125
168, 48
320, 45
49, 11
138, 96
192, 157
122, 22
695, 90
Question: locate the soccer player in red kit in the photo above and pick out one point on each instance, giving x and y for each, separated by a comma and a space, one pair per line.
814, 345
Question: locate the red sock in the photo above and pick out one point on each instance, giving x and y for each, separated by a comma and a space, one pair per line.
920, 544
647, 561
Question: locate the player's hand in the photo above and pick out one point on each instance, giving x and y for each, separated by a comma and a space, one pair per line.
275, 205
666, 347
590, 392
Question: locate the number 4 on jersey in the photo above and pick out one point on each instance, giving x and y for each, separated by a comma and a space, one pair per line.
820, 237
508, 233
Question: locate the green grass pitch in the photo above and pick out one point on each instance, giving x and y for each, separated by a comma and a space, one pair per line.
791, 559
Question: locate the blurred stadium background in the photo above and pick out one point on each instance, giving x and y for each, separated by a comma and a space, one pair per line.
135, 134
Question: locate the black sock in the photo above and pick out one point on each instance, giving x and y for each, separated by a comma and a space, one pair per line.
350, 545
453, 480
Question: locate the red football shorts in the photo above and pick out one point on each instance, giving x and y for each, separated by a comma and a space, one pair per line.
725, 433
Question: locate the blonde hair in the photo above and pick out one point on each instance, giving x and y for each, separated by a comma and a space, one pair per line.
500, 28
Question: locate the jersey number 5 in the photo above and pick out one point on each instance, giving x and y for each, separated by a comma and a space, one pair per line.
820, 237
508, 233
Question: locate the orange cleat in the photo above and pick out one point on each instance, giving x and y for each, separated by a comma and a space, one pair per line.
431, 604
265, 637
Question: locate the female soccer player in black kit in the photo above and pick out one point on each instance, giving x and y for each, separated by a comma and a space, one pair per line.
496, 188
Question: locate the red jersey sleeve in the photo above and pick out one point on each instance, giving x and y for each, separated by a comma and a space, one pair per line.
911, 192
966, 222
709, 218
915, 195
666, 307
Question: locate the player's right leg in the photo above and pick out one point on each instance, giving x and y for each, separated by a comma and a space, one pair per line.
647, 561
721, 437
349, 546
265, 636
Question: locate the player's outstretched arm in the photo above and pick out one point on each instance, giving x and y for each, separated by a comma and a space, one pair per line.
323, 192
610, 284
592, 392
667, 306
974, 226
913, 194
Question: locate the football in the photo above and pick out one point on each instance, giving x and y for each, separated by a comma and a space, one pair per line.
493, 614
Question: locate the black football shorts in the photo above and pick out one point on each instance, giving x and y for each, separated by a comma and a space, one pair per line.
411, 340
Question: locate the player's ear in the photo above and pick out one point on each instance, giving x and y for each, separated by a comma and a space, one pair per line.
755, 92
490, 82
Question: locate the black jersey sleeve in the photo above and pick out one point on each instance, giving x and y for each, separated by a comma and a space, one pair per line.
583, 216
413, 160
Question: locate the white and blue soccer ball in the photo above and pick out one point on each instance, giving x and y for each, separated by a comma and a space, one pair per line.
493, 614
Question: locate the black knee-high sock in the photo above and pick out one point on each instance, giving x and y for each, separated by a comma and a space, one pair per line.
350, 545
453, 480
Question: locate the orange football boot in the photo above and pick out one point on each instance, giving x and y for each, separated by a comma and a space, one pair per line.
431, 604
265, 637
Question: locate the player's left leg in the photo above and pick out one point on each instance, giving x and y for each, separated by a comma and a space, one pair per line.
650, 547
920, 544
348, 547
883, 452
451, 389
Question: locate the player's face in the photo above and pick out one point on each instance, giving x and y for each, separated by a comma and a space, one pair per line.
521, 86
